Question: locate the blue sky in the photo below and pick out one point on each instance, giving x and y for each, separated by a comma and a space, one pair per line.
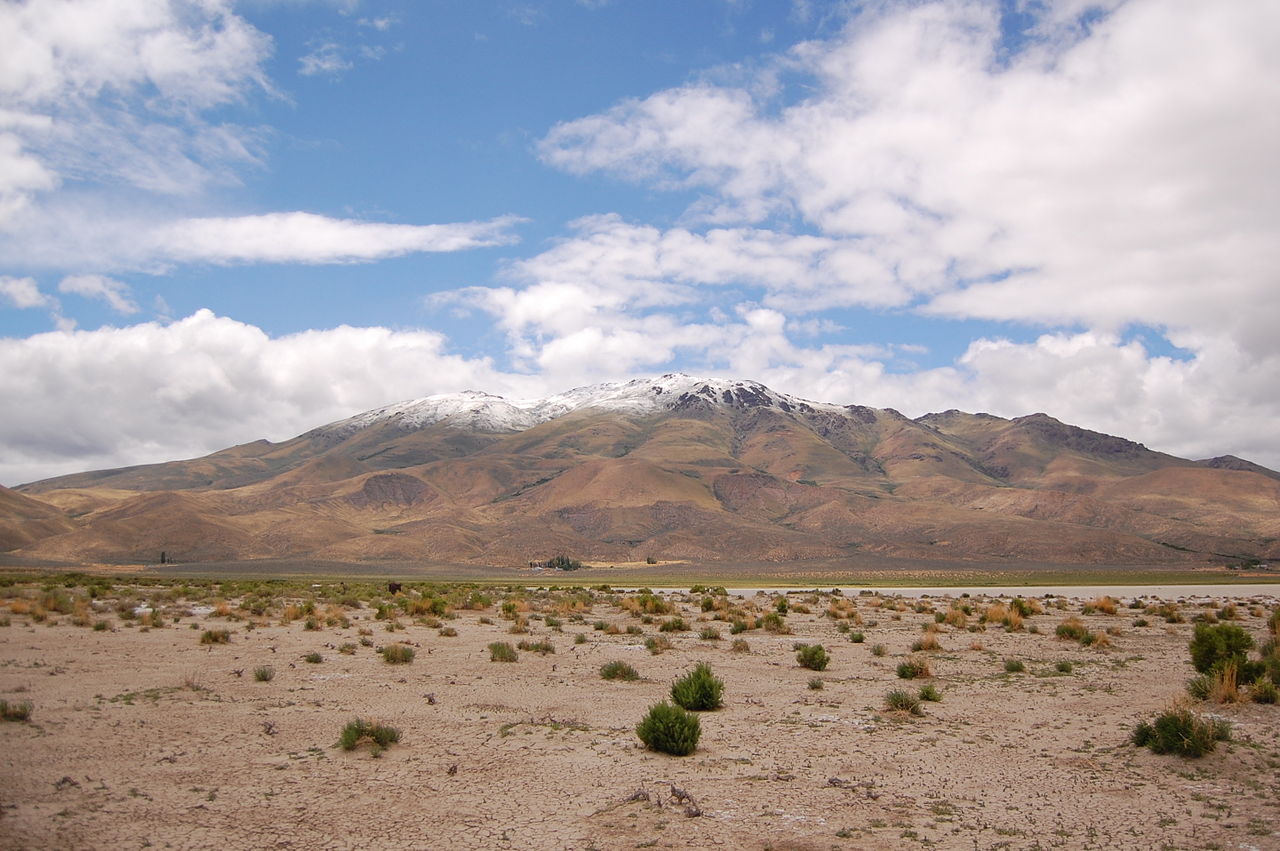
227, 220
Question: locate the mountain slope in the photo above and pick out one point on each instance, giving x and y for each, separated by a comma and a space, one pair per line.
674, 467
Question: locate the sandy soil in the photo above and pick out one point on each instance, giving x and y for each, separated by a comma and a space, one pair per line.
148, 738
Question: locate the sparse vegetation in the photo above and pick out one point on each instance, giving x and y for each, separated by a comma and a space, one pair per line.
542, 647
699, 690
914, 668
398, 654
15, 711
903, 701
359, 732
1181, 731
618, 670
1014, 666
215, 636
313, 658
502, 651
930, 693
812, 656
669, 729
264, 673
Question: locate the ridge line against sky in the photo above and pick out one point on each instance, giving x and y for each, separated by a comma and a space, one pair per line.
222, 220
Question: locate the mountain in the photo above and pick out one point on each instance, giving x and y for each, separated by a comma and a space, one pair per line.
671, 468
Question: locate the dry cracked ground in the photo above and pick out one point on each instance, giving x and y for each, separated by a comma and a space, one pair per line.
140, 735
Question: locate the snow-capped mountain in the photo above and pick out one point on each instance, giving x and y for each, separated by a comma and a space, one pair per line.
487, 413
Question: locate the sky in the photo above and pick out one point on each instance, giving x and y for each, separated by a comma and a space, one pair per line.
226, 220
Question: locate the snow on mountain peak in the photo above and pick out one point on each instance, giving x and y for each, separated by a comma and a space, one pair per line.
486, 412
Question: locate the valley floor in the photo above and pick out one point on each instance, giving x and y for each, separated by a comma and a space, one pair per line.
142, 736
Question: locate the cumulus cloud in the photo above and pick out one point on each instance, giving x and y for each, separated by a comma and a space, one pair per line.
153, 391
23, 293
1106, 174
114, 293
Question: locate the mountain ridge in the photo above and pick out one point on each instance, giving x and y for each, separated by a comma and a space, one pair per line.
673, 467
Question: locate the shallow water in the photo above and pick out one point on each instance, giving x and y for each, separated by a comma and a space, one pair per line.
1164, 592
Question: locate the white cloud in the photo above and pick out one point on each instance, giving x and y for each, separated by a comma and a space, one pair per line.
325, 58
153, 392
307, 238
1122, 173
23, 293
114, 293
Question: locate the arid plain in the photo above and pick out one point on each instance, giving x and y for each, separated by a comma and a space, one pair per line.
143, 734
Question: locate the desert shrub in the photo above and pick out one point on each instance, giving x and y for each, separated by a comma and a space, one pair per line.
1181, 731
98, 626
359, 731
18, 711
657, 644
398, 654
1014, 666
815, 684
1199, 688
812, 656
878, 650
914, 668
1215, 645
676, 624
1072, 629
736, 626
632, 629
580, 638
264, 673
930, 693
928, 643
773, 622
617, 670
699, 690
903, 701
1264, 691
669, 729
1273, 623
542, 647
502, 651
857, 637
956, 617
313, 657
1105, 605
709, 633
215, 636
1064, 667
740, 645
1096, 640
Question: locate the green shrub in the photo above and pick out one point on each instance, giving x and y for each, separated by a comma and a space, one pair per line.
1264, 691
1072, 628
502, 651
812, 656
656, 645
1180, 731
99, 626
857, 637
1200, 687
930, 693
215, 636
676, 624
264, 673
313, 657
580, 638
617, 670
669, 729
1215, 645
699, 690
914, 668
878, 650
740, 645
20, 711
398, 654
773, 622
709, 633
1064, 667
903, 701
815, 684
542, 647
360, 731
1014, 666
